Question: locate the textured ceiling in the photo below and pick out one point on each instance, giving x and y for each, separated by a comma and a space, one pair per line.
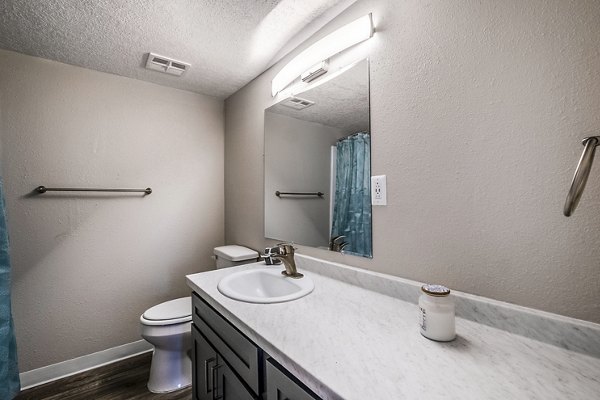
342, 102
228, 42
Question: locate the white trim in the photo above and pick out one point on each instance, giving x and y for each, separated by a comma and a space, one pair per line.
74, 366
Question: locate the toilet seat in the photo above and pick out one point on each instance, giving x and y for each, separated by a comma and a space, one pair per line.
169, 313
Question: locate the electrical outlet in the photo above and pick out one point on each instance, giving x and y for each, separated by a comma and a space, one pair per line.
378, 190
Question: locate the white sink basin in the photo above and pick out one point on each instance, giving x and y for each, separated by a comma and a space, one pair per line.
264, 285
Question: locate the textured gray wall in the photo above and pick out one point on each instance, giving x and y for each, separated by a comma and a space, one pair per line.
478, 109
301, 150
85, 267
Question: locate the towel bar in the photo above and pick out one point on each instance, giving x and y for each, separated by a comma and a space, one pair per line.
44, 189
279, 194
582, 172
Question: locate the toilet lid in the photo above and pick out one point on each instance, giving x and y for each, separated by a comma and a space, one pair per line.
170, 310
234, 252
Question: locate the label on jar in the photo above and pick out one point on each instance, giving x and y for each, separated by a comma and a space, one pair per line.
423, 319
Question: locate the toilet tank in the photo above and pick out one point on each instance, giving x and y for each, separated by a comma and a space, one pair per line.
229, 256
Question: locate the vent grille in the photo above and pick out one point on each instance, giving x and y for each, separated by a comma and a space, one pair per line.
315, 71
167, 65
297, 103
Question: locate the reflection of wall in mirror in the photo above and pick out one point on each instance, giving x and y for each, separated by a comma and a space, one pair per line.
297, 158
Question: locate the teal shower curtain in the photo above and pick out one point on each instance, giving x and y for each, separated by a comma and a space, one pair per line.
352, 207
9, 371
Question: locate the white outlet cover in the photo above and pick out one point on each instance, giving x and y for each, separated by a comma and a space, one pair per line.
378, 190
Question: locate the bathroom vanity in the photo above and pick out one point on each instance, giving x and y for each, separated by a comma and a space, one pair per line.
228, 365
356, 337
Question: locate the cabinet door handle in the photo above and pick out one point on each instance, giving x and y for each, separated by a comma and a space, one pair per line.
206, 379
215, 382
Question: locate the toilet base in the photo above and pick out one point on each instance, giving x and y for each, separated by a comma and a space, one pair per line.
170, 371
171, 367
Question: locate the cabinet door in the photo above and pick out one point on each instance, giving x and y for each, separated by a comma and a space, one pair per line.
242, 355
204, 362
283, 386
227, 385
212, 377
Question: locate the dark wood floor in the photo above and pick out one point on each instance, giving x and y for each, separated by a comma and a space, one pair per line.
121, 380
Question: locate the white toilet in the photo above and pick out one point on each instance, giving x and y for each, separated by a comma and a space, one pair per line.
167, 327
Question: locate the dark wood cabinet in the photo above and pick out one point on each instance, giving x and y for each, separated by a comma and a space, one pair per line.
228, 386
281, 385
203, 367
229, 366
213, 379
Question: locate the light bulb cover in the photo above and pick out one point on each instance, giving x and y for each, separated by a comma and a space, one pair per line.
347, 36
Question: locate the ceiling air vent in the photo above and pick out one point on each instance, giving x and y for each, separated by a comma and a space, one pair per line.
166, 65
297, 103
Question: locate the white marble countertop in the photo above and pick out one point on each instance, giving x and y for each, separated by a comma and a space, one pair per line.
347, 342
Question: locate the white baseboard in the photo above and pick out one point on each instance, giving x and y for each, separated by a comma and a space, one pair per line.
74, 366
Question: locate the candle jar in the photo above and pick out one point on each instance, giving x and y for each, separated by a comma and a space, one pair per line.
437, 314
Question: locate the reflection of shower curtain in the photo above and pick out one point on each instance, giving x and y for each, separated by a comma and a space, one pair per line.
352, 210
9, 372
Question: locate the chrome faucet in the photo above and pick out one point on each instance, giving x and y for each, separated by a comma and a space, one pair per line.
285, 253
268, 256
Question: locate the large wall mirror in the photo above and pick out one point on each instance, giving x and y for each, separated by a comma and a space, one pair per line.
318, 165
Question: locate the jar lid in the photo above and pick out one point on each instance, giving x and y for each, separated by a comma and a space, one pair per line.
435, 290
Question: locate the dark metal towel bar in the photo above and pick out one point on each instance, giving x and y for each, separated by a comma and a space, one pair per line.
582, 173
279, 194
44, 189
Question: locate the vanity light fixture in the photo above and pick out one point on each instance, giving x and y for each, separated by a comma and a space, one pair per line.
332, 44
314, 72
